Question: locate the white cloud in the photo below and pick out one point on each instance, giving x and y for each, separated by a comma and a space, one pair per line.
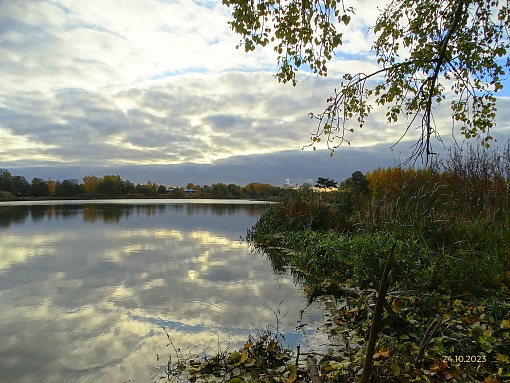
158, 82
68, 44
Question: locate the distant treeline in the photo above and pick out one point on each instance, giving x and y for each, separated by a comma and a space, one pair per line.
112, 186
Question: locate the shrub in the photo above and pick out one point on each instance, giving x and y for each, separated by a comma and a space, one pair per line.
6, 195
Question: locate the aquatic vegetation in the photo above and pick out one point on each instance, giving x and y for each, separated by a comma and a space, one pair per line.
261, 359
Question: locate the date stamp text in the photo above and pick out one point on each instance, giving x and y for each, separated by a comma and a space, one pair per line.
465, 358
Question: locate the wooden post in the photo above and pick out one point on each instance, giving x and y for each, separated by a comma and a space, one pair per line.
312, 369
376, 320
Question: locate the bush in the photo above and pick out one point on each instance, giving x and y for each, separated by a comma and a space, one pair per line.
6, 195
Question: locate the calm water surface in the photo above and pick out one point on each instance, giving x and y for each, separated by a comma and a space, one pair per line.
85, 286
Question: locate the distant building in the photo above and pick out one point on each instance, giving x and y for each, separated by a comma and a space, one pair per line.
287, 183
189, 191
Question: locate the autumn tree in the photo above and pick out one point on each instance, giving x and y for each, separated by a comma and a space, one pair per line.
90, 184
259, 190
51, 187
428, 52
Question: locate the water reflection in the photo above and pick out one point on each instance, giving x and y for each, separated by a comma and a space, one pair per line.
83, 288
115, 212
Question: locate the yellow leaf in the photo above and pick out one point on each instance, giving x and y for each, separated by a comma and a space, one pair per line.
505, 323
438, 366
395, 369
233, 357
244, 356
293, 374
503, 358
488, 333
334, 365
397, 303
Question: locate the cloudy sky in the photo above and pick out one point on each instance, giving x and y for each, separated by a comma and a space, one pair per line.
155, 89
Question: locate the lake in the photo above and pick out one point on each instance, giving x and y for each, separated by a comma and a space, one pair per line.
86, 287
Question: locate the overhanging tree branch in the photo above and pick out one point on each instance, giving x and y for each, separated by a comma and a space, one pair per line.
419, 43
335, 116
441, 60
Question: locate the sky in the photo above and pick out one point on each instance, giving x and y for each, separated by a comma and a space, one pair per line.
156, 90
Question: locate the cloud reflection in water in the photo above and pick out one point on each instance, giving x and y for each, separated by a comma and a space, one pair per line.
84, 288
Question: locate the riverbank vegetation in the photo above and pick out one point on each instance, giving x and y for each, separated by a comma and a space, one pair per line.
113, 186
447, 312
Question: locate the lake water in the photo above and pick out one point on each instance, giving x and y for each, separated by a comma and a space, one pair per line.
86, 286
